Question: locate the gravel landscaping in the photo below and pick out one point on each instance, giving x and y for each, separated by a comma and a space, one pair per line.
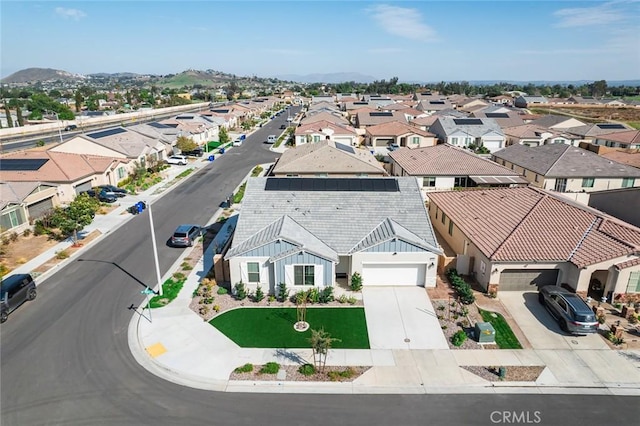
514, 373
293, 375
453, 318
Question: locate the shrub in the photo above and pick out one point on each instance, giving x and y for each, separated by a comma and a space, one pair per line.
300, 295
282, 292
270, 368
352, 300
632, 319
179, 276
222, 290
342, 298
356, 282
347, 373
259, 294
39, 228
216, 308
326, 295
461, 286
313, 295
615, 340
186, 267
240, 291
26, 232
307, 370
441, 308
271, 298
458, 338
62, 254
5, 240
247, 368
204, 310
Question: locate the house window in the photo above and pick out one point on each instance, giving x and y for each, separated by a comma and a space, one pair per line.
444, 218
429, 182
316, 138
483, 267
303, 275
587, 182
537, 178
362, 175
321, 175
415, 140
450, 227
460, 182
454, 141
437, 210
561, 185
253, 272
634, 283
121, 173
628, 182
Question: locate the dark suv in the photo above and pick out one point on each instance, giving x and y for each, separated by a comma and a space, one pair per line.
572, 313
185, 235
102, 195
14, 291
198, 152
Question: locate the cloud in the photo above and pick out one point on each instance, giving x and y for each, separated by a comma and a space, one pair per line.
74, 14
385, 50
603, 14
402, 22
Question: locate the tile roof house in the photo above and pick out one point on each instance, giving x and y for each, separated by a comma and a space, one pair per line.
322, 130
467, 131
162, 132
590, 132
504, 119
365, 119
335, 118
72, 173
565, 168
532, 135
381, 136
433, 105
312, 232
199, 128
351, 105
624, 139
557, 122
444, 167
327, 159
628, 157
522, 238
21, 202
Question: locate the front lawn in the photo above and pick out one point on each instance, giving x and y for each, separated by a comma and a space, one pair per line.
170, 290
273, 327
505, 339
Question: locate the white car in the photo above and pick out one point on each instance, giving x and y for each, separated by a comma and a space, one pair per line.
237, 142
177, 159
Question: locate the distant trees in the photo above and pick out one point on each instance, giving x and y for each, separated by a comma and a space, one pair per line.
39, 104
231, 90
7, 113
598, 88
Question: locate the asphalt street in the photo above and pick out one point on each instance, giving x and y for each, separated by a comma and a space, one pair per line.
65, 359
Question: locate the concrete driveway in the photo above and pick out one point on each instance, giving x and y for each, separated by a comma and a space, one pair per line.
401, 318
540, 327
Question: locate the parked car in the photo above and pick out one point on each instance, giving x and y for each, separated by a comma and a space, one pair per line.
113, 190
14, 291
283, 126
102, 195
178, 159
185, 235
572, 313
70, 127
198, 152
272, 139
393, 147
237, 142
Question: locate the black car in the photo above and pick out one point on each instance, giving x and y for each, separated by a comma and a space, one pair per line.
283, 126
70, 127
14, 291
102, 195
113, 190
198, 152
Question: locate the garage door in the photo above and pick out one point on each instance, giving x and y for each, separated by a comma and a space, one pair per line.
37, 210
393, 274
83, 187
527, 279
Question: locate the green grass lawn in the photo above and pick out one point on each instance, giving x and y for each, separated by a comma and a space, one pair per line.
170, 290
273, 327
505, 339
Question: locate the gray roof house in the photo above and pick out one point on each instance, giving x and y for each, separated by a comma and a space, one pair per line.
463, 132
567, 169
526, 101
312, 231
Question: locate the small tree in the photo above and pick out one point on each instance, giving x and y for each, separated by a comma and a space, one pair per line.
321, 342
356, 282
259, 295
19, 116
223, 135
7, 113
240, 291
301, 306
282, 292
185, 144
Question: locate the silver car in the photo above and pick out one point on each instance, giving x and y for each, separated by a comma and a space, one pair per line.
572, 313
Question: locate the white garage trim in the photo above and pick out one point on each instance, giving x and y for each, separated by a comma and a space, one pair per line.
403, 274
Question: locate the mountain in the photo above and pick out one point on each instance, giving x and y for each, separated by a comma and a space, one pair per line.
114, 75
333, 78
40, 74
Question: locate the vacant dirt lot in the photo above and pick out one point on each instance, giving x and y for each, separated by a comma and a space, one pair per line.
593, 114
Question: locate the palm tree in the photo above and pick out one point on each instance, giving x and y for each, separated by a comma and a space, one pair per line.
321, 342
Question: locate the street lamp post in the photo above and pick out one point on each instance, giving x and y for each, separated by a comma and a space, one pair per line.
155, 250
59, 124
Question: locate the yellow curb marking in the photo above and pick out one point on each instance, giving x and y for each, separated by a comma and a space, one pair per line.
156, 350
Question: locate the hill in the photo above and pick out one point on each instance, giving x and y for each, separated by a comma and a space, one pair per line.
40, 74
331, 78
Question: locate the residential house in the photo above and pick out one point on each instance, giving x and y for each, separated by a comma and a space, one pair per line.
629, 139
399, 134
166, 134
471, 105
231, 118
526, 101
504, 119
590, 132
379, 101
323, 106
322, 130
464, 132
69, 173
117, 142
501, 99
528, 134
308, 232
628, 157
557, 122
198, 128
518, 239
351, 105
584, 100
22, 202
444, 167
327, 158
334, 117
372, 118
623, 203
564, 168
433, 105
323, 98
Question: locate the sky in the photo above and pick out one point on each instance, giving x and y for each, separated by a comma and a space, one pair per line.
534, 40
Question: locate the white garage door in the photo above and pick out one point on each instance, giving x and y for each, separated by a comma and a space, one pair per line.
393, 274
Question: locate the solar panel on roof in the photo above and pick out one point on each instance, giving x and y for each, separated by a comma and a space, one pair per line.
437, 102
159, 125
467, 121
332, 184
345, 148
105, 133
361, 103
184, 117
610, 126
497, 115
22, 164
380, 114
220, 111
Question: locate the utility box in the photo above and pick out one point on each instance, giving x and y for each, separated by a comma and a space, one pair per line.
485, 332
